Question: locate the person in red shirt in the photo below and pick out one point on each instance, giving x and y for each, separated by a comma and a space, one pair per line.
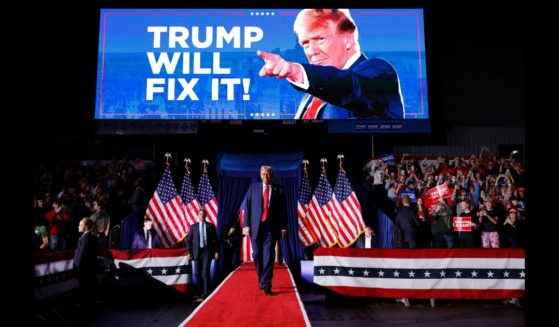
57, 220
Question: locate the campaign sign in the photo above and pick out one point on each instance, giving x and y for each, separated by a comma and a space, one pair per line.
389, 158
436, 193
462, 224
410, 193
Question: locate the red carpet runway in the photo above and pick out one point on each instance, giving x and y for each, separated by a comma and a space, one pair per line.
238, 301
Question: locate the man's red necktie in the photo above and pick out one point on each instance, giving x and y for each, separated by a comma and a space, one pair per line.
265, 203
312, 108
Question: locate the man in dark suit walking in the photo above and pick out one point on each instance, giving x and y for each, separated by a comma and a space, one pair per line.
265, 221
85, 261
201, 244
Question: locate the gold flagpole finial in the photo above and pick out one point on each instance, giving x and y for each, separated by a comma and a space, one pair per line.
167, 157
323, 161
205, 164
305, 163
341, 158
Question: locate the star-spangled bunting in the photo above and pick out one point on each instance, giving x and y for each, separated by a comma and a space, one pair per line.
422, 273
167, 266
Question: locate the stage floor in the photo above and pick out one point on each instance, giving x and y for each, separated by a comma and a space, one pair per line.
131, 310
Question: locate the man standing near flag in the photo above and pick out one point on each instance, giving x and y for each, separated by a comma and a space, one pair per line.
201, 244
145, 238
408, 222
85, 261
265, 221
367, 240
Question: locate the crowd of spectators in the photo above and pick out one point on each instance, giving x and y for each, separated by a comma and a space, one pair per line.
67, 192
489, 190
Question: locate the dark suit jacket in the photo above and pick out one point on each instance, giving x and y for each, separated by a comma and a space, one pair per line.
370, 88
276, 210
408, 222
85, 257
193, 239
139, 242
360, 243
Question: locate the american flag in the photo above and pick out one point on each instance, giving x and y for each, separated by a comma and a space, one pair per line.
166, 210
207, 198
422, 274
307, 233
191, 204
346, 212
320, 210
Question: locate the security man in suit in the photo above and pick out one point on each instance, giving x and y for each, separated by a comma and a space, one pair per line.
201, 245
85, 261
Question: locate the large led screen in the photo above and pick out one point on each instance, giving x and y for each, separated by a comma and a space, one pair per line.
254, 64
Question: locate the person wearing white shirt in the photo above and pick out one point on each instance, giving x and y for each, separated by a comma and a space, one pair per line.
202, 247
367, 240
146, 238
